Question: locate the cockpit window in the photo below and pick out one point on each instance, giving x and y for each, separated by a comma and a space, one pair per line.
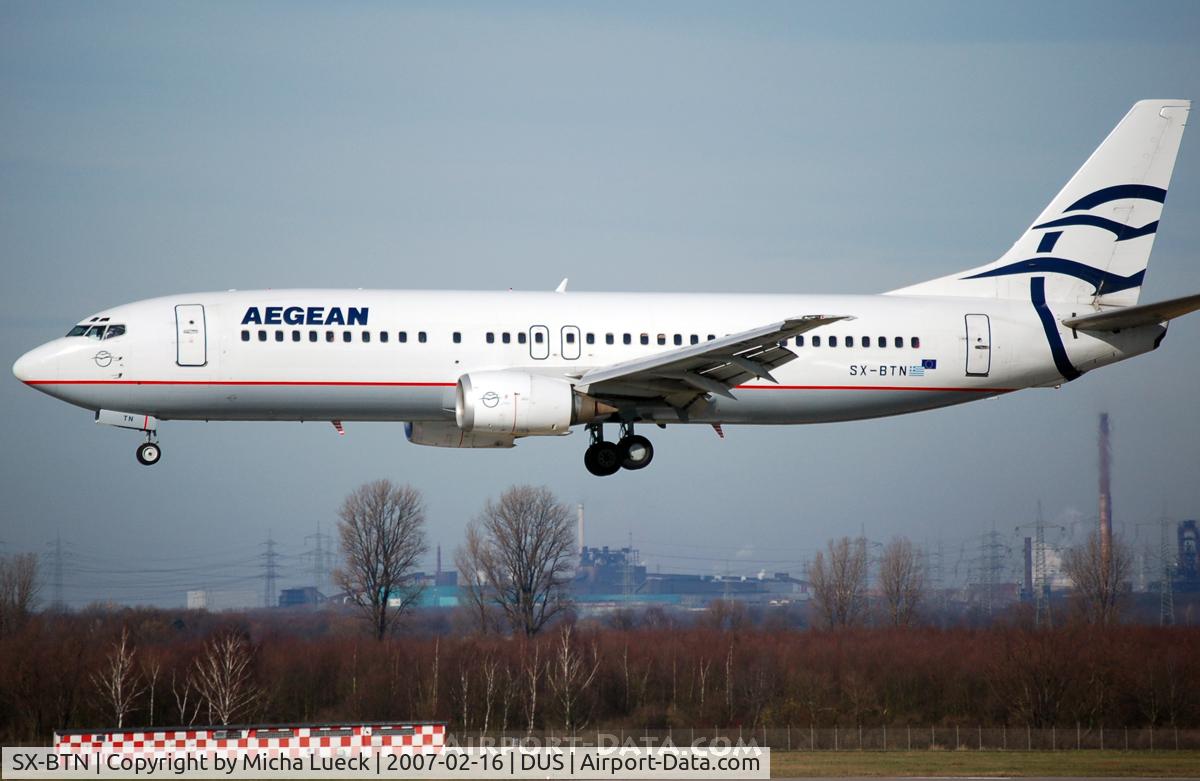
95, 332
78, 330
114, 331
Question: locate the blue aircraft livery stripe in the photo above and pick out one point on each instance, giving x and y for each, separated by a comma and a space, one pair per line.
1122, 232
1117, 193
1104, 281
1037, 294
1048, 240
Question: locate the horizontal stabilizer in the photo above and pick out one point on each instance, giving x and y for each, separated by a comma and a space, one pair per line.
1133, 316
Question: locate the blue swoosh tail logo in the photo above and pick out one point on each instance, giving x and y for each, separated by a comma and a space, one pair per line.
1037, 294
1122, 232
1104, 281
1117, 193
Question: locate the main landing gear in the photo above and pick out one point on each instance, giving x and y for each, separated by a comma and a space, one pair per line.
631, 451
148, 453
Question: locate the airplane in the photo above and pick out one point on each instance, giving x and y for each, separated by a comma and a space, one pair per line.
476, 369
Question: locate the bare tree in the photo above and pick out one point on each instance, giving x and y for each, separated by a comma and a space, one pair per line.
569, 676
902, 580
18, 590
518, 555
117, 683
1099, 579
187, 701
383, 538
840, 583
224, 677
473, 583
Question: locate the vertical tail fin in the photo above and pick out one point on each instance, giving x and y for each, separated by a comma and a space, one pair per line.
1092, 242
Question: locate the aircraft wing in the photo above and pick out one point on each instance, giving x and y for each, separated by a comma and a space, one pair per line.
679, 376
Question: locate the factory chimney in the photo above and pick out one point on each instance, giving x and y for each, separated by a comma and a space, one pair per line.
1105, 494
579, 530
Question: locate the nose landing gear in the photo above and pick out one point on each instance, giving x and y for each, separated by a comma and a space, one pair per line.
631, 452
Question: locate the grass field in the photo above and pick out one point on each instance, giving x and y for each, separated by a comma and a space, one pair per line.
1165, 764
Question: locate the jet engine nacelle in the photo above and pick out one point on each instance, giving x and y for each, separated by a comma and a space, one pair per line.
437, 434
521, 404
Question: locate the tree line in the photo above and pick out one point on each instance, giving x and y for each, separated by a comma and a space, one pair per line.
152, 667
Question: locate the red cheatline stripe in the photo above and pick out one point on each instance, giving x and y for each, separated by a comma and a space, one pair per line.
242, 382
331, 383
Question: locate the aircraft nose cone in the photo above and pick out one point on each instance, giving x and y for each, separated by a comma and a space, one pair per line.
24, 368
39, 363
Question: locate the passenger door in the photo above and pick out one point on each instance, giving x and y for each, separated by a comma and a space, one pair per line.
979, 345
191, 335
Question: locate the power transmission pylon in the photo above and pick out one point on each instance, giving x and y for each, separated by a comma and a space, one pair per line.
270, 571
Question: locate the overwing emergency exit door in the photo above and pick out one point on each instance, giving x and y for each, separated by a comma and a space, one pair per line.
539, 342
570, 343
191, 335
979, 345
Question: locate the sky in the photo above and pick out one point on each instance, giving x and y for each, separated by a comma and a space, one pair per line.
157, 148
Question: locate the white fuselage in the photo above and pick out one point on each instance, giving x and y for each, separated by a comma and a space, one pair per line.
294, 366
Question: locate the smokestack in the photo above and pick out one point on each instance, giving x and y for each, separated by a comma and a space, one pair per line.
1105, 493
579, 531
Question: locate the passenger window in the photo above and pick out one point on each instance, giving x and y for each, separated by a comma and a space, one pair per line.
457, 336
627, 338
366, 336
570, 337
402, 336
833, 341
312, 336
520, 337
712, 337
114, 331
346, 336
245, 336
866, 341
849, 341
279, 336
662, 338
422, 337
608, 339
295, 336
262, 336
899, 342
816, 342
539, 337
329, 336
800, 340
506, 337
882, 341
915, 342
383, 336
590, 338
695, 339
490, 337
644, 338
678, 339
